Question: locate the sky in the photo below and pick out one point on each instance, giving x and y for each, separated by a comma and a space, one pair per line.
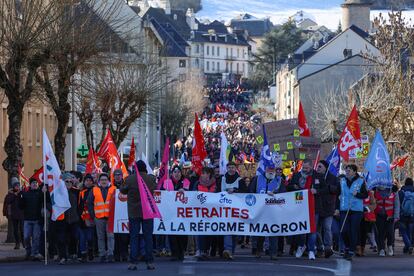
325, 12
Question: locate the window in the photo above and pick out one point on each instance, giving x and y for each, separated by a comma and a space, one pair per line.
218, 66
238, 53
182, 77
227, 52
29, 127
237, 66
197, 63
182, 63
218, 51
38, 127
212, 50
208, 66
231, 52
227, 67
244, 68
208, 50
213, 65
197, 49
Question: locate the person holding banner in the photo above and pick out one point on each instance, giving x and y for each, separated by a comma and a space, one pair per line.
387, 213
98, 206
230, 183
135, 215
353, 191
87, 225
177, 182
269, 184
306, 179
206, 184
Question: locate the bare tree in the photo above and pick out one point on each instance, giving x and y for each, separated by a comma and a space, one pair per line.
24, 32
86, 29
122, 90
182, 100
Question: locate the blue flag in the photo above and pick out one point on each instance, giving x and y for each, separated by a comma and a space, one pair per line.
377, 165
265, 156
334, 161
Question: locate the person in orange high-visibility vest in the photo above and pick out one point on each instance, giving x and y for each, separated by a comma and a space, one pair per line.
98, 207
87, 226
388, 213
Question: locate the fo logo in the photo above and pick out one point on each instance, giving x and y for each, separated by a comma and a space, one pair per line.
250, 200
298, 196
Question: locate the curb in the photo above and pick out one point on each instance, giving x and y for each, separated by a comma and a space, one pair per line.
14, 259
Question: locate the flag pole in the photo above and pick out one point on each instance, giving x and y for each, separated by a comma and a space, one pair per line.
45, 225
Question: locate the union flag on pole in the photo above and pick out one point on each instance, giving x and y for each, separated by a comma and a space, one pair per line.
53, 179
199, 150
93, 164
163, 173
399, 161
302, 123
351, 135
109, 152
38, 175
131, 159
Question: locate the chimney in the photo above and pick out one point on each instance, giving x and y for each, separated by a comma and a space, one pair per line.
166, 6
356, 12
191, 20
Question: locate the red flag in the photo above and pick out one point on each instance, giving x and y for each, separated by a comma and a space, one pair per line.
303, 125
109, 152
163, 172
351, 136
399, 161
93, 164
131, 159
318, 156
38, 175
199, 151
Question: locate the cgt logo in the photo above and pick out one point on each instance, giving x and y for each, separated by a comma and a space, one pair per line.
275, 201
298, 197
179, 196
250, 200
157, 197
122, 197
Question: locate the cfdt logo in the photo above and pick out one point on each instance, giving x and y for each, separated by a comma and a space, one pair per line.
298, 196
224, 200
250, 200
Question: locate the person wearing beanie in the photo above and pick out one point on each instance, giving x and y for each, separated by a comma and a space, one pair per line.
406, 196
136, 220
325, 202
12, 211
31, 203
87, 225
99, 208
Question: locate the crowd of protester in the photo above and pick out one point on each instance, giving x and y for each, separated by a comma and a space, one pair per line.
348, 216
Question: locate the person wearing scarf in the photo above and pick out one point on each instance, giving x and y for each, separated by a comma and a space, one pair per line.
269, 184
306, 179
178, 183
230, 183
206, 184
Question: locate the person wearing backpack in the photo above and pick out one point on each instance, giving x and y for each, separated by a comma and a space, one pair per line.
388, 213
406, 195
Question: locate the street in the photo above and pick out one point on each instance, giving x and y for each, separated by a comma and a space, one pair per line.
242, 265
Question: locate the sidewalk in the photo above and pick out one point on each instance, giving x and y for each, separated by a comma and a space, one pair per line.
7, 253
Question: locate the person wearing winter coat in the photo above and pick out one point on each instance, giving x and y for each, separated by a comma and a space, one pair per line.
12, 211
406, 196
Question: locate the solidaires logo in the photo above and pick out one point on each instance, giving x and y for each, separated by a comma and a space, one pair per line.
250, 200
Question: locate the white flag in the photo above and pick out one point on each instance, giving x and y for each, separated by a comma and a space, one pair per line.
223, 154
144, 158
53, 178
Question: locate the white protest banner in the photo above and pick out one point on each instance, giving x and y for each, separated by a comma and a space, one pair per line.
197, 213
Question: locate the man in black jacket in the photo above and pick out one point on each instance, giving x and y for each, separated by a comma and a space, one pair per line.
31, 203
325, 202
12, 211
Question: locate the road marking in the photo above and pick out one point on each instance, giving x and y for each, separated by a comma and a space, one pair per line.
186, 270
343, 268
